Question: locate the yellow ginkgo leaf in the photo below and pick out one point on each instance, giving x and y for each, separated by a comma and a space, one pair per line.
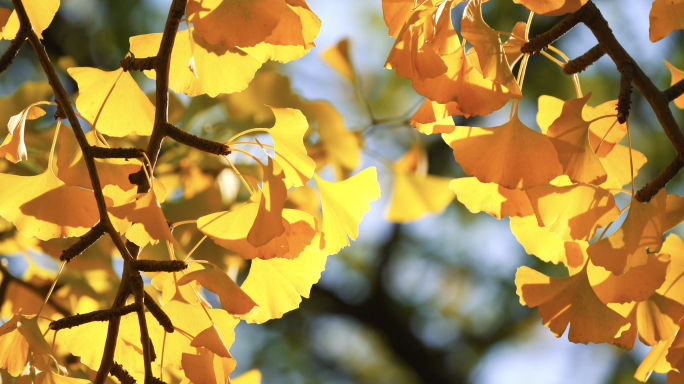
44, 207
40, 13
341, 147
344, 204
546, 245
219, 69
463, 84
573, 212
235, 24
637, 284
13, 148
233, 299
49, 377
665, 18
19, 336
249, 377
655, 361
511, 155
338, 58
415, 195
675, 354
278, 285
205, 367
570, 136
493, 62
433, 117
397, 12
569, 300
73, 170
677, 75
166, 283
148, 217
211, 339
673, 287
290, 153
268, 223
292, 38
4, 17
552, 7
124, 111
514, 43
641, 231
491, 198
616, 163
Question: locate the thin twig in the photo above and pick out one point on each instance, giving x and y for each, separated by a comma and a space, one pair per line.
103, 315
135, 64
159, 265
196, 142
13, 48
83, 243
115, 153
583, 62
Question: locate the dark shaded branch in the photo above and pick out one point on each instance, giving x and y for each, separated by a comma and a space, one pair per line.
115, 153
159, 314
13, 48
122, 374
625, 95
648, 191
159, 265
83, 243
583, 62
564, 26
675, 90
103, 315
7, 276
196, 142
153, 380
137, 287
135, 64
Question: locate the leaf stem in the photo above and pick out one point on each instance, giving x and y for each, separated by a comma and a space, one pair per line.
61, 268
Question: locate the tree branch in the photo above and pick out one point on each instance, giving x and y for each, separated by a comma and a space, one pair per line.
122, 374
191, 140
159, 265
159, 314
13, 48
583, 62
115, 153
135, 64
103, 315
83, 243
676, 90
9, 278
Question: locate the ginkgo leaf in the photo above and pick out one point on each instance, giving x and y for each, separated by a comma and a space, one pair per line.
235, 24
4, 17
616, 163
268, 223
675, 354
570, 136
677, 76
665, 18
344, 204
491, 198
607, 129
655, 361
39, 12
412, 58
219, 69
73, 170
249, 377
657, 318
397, 12
230, 230
573, 212
19, 336
278, 285
463, 84
415, 193
342, 147
486, 42
642, 230
44, 207
146, 212
546, 245
674, 211
233, 299
124, 110
290, 153
211, 339
292, 38
673, 287
511, 155
569, 300
514, 43
552, 7
433, 117
207, 367
166, 283
338, 58
49, 377
13, 148
637, 284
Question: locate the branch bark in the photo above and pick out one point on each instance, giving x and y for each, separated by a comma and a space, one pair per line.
13, 48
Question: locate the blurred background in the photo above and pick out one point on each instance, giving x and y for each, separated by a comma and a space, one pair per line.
427, 302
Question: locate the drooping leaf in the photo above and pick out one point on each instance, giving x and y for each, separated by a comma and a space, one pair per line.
19, 336
205, 367
338, 58
290, 153
40, 13
665, 18
433, 117
148, 218
655, 361
233, 299
13, 148
211, 339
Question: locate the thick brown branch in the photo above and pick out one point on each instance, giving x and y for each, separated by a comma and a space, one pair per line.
191, 140
135, 64
676, 90
158, 314
13, 48
153, 380
649, 190
583, 62
83, 243
122, 374
115, 153
625, 95
564, 26
103, 315
159, 265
